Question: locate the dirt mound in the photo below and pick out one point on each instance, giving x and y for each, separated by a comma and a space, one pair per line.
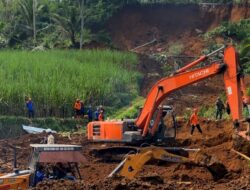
60, 184
241, 145
218, 145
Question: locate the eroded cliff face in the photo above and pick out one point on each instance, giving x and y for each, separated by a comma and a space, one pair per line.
136, 25
168, 25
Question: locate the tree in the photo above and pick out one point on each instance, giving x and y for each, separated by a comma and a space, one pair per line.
67, 20
82, 21
34, 19
245, 55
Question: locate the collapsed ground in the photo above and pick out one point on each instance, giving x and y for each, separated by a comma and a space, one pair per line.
218, 143
130, 28
169, 24
182, 26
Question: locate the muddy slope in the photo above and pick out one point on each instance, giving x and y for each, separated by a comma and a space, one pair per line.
135, 25
168, 25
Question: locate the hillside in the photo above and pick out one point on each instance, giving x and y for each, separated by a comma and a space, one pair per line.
168, 24
109, 53
179, 31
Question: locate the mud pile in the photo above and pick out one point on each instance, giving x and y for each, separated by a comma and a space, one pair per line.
60, 184
155, 175
142, 183
157, 182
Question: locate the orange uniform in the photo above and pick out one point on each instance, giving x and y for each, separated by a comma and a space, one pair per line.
194, 120
77, 105
100, 117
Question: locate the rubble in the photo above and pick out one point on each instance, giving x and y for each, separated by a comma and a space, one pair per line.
234, 170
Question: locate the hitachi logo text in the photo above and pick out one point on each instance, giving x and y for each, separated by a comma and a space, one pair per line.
198, 74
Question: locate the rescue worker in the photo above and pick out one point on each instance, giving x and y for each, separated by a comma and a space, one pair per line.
82, 109
30, 108
228, 108
77, 108
90, 113
50, 139
219, 108
96, 114
39, 175
194, 121
101, 116
61, 172
101, 109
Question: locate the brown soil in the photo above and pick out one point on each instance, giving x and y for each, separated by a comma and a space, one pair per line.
170, 24
218, 144
136, 25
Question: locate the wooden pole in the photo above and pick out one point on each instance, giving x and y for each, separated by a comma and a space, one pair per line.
242, 155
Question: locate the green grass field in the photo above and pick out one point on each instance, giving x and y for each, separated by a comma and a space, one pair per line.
55, 78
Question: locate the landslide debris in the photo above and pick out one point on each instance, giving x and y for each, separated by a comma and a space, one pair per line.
234, 171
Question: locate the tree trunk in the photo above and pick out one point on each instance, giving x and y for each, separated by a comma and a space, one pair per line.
73, 39
82, 21
34, 20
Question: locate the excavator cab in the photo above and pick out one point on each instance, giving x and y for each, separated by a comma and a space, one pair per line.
162, 129
166, 130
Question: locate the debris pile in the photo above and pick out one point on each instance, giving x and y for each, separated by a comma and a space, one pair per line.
232, 171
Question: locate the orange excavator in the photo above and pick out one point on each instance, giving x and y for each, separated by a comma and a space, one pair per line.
148, 127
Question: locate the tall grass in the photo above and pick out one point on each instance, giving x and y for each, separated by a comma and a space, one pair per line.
131, 111
55, 78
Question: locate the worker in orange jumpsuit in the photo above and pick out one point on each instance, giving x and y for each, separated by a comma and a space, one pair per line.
194, 121
77, 108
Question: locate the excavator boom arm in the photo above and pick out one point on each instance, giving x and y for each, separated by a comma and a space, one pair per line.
163, 87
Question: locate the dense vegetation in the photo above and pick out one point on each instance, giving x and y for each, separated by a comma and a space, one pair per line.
131, 111
63, 23
54, 23
237, 33
54, 79
192, 1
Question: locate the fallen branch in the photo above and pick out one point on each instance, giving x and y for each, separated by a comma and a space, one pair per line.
184, 182
242, 155
152, 41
